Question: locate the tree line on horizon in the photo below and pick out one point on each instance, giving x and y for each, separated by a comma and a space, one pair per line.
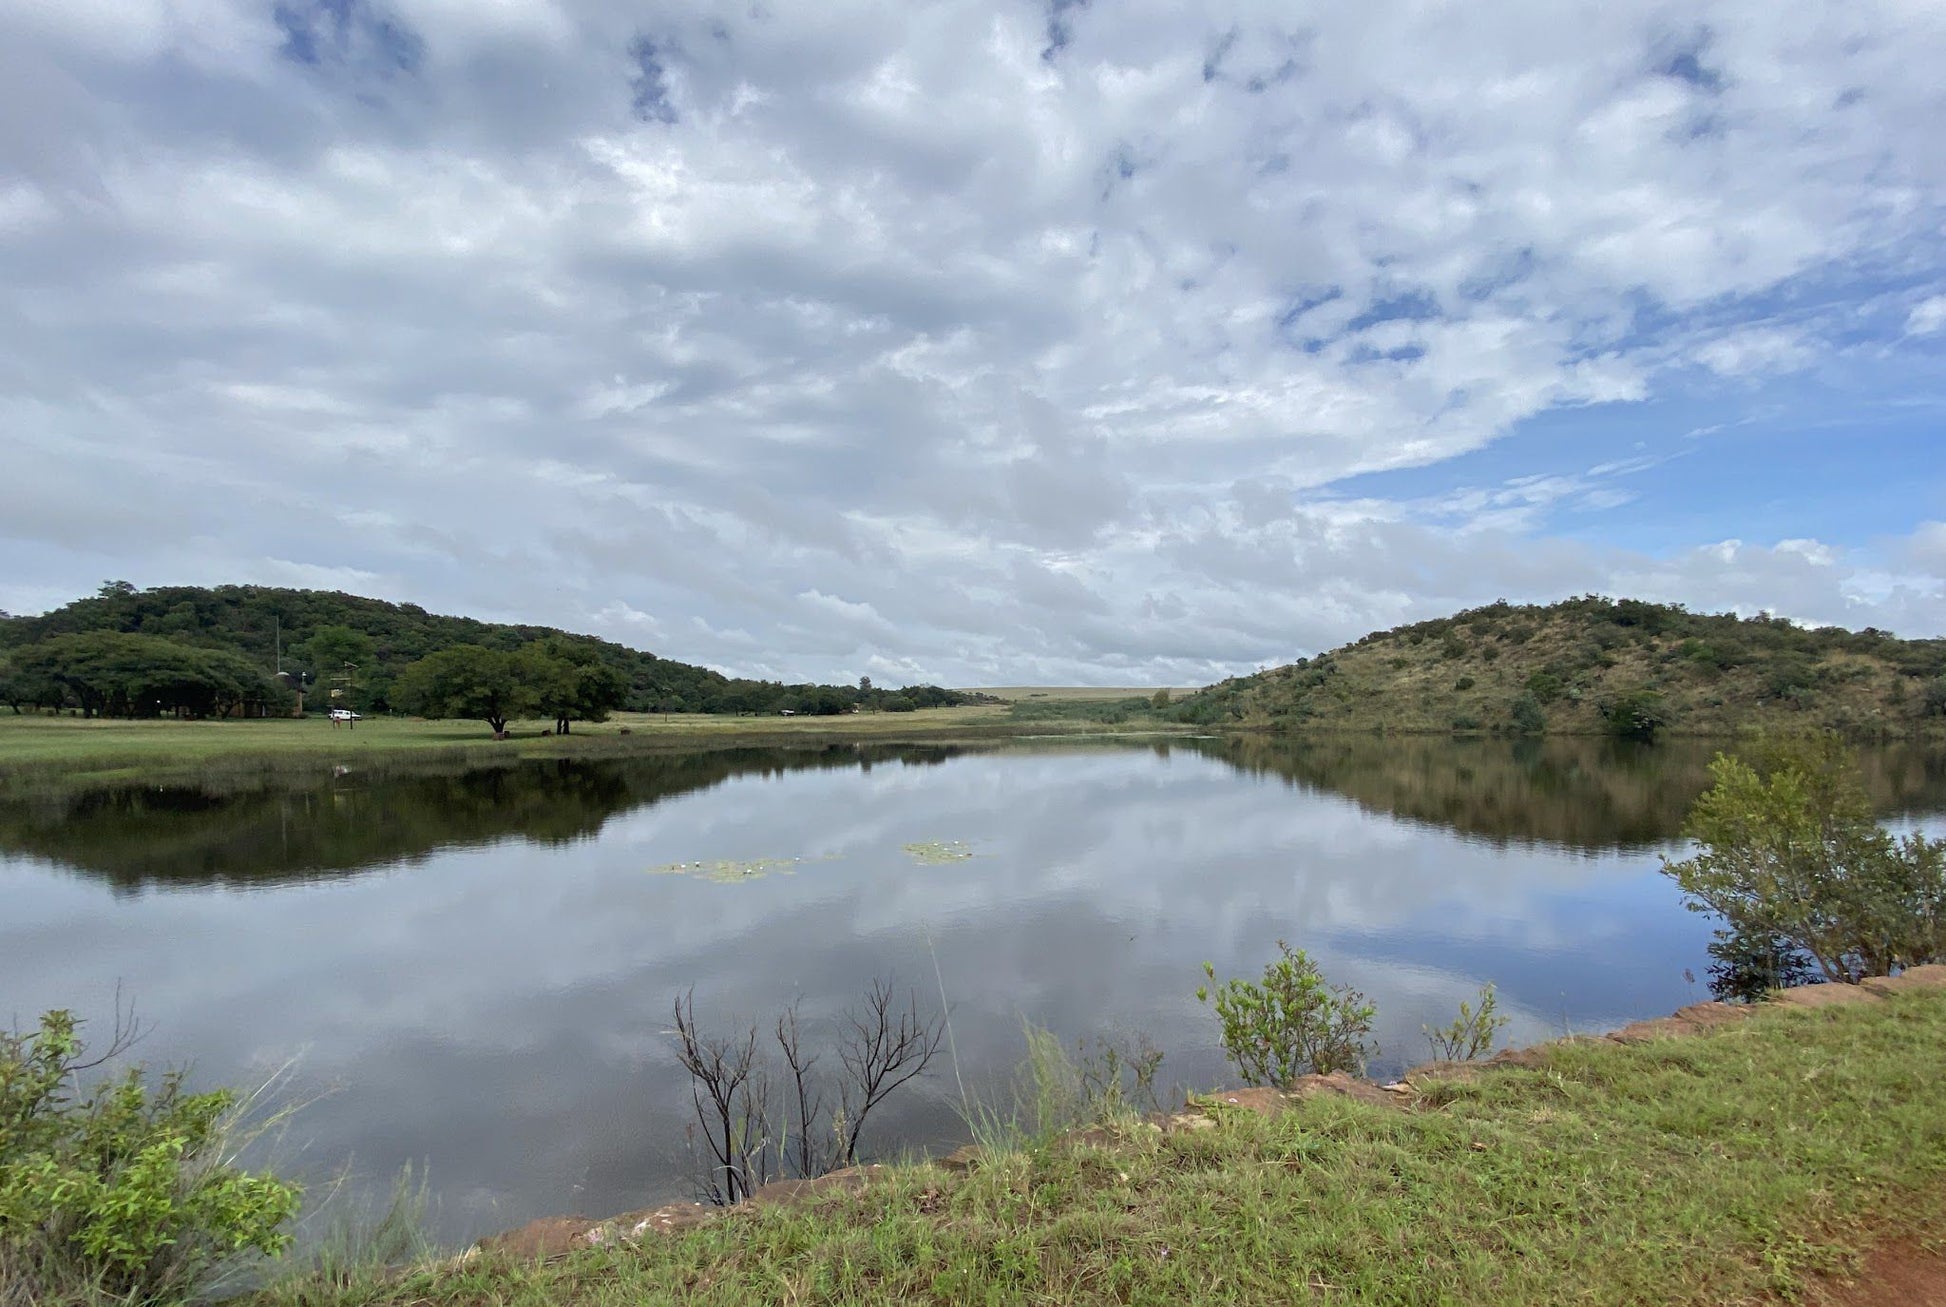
252, 650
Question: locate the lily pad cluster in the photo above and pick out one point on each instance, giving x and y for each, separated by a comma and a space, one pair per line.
933, 852
729, 871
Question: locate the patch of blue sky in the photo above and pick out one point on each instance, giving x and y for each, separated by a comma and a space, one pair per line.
318, 33
1795, 458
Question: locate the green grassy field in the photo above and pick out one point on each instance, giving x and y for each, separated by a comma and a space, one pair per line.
72, 750
1744, 1165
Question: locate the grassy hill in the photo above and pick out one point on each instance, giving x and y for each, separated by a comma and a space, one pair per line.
1594, 665
313, 627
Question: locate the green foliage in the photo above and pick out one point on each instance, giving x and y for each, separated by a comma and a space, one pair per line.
1714, 674
1635, 715
1159, 700
469, 681
1792, 677
570, 682
330, 648
1713, 656
1788, 849
1471, 1033
109, 673
1745, 968
321, 631
1526, 714
123, 1191
1463, 683
1545, 686
1291, 1023
23, 688
1934, 701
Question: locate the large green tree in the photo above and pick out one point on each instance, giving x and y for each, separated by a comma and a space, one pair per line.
115, 674
341, 663
468, 680
571, 682
1788, 849
36, 689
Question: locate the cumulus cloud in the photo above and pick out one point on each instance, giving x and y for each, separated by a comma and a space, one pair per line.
992, 343
1927, 316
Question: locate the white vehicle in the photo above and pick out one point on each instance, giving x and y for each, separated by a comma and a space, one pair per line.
345, 715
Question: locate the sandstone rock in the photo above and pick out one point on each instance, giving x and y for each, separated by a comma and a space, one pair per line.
1097, 1136
963, 1158
1261, 1100
541, 1240
633, 1227
1911, 980
1707, 1015
1532, 1056
1443, 1069
784, 1193
1340, 1085
1815, 996
1642, 1032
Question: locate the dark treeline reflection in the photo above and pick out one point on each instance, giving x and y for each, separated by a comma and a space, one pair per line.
1588, 794
186, 836
1581, 794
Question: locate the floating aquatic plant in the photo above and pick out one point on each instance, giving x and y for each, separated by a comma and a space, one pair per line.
728, 871
931, 853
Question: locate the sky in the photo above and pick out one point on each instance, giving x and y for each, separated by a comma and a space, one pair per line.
985, 342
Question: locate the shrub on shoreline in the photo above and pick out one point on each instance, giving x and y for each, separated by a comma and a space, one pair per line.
126, 1191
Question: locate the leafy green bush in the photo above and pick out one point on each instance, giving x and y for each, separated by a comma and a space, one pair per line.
1791, 678
1545, 686
1291, 1023
1635, 715
1788, 849
126, 1191
1472, 1032
1528, 719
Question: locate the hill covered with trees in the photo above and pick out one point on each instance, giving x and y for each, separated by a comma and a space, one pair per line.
1596, 666
208, 650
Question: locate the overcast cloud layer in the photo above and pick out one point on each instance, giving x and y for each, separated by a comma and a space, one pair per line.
976, 342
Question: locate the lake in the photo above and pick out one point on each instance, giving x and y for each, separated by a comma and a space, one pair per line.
474, 973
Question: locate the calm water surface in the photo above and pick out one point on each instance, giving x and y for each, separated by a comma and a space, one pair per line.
475, 972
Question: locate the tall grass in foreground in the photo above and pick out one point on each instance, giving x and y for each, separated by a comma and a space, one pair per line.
359, 1250
1102, 1082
